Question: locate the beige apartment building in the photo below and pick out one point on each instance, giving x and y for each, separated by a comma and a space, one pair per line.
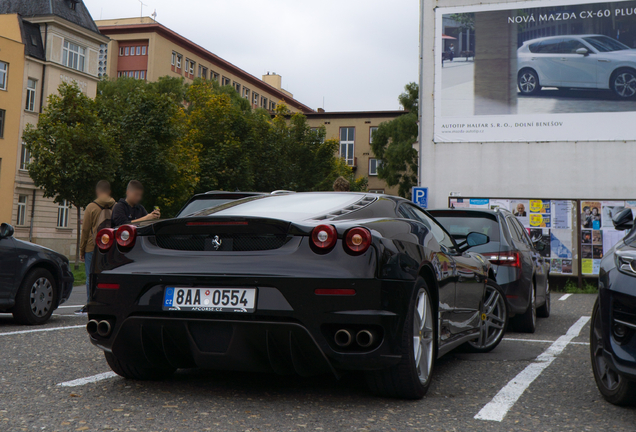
354, 130
42, 44
144, 49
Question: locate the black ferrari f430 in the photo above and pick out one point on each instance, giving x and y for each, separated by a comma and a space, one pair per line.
304, 283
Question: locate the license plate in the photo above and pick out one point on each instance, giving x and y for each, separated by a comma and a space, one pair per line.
210, 299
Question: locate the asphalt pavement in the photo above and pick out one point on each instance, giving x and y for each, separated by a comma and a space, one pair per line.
53, 379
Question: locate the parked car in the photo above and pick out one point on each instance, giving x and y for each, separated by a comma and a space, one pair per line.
613, 329
581, 61
308, 283
520, 269
34, 280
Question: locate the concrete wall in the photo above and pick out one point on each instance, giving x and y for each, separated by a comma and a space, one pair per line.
601, 170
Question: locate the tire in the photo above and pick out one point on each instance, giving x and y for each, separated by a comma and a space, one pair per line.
527, 322
528, 82
544, 311
493, 322
140, 372
411, 378
623, 83
615, 388
36, 299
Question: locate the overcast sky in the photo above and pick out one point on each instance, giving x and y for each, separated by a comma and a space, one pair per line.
357, 54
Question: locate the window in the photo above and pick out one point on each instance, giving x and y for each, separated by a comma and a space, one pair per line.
225, 81
4, 69
143, 50
272, 106
136, 74
3, 114
214, 76
203, 72
179, 59
121, 51
30, 96
237, 87
255, 98
174, 58
25, 157
138, 51
22, 209
142, 75
72, 4
264, 102
246, 93
73, 56
372, 131
347, 139
409, 211
127, 51
62, 214
190, 66
374, 164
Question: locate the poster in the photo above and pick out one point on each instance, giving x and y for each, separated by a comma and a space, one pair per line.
591, 215
608, 210
566, 267
562, 217
540, 220
542, 235
521, 209
611, 237
561, 243
587, 266
556, 84
459, 203
499, 204
479, 203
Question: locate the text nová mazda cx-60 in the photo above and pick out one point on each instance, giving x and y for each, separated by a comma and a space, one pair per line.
582, 61
307, 283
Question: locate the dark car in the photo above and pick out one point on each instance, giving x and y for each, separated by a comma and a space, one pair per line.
521, 270
613, 329
308, 283
34, 280
212, 199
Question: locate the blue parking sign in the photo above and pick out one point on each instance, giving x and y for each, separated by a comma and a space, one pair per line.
420, 196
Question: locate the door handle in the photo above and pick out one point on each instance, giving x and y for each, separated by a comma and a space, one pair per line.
564, 59
605, 61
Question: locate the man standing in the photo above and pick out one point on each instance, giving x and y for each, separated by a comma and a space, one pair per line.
96, 216
129, 209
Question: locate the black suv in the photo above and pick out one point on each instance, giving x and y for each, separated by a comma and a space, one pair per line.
519, 267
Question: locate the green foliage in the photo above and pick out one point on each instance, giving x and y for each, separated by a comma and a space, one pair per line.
145, 120
465, 20
71, 148
393, 145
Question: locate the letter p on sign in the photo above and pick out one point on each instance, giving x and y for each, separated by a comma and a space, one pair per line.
420, 196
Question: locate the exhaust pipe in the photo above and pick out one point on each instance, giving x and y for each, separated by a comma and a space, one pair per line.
103, 328
91, 327
343, 338
365, 338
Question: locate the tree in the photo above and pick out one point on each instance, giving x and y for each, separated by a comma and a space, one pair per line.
71, 150
393, 144
147, 122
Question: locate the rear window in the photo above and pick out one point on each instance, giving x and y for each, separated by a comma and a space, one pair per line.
202, 204
459, 224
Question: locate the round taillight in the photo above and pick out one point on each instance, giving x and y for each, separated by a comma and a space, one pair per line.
324, 237
126, 235
105, 239
357, 240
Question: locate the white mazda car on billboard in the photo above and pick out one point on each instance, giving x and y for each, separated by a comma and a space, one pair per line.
578, 61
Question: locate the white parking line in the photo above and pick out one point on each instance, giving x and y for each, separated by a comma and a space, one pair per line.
42, 330
498, 407
565, 297
542, 341
88, 380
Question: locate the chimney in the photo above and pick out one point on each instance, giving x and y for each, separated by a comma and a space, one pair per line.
274, 80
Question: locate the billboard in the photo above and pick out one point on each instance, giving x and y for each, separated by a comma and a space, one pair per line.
535, 71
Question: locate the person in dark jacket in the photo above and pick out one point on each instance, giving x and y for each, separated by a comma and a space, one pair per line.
129, 209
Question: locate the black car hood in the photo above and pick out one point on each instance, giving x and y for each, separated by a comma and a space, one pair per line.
27, 246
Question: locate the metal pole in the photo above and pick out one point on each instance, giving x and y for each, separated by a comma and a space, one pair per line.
420, 134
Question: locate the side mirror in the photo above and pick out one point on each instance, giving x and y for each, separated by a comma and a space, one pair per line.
473, 239
6, 231
582, 51
623, 220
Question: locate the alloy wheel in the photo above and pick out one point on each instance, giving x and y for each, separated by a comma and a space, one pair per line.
493, 319
607, 376
625, 84
423, 336
527, 82
41, 298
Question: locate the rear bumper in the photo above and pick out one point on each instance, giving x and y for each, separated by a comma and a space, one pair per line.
292, 330
517, 293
